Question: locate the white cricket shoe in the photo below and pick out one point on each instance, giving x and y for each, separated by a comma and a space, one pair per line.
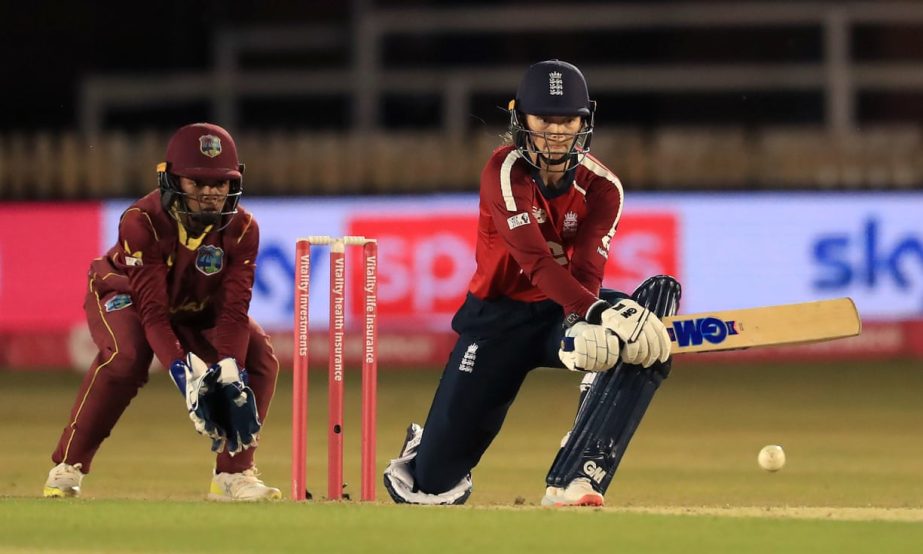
245, 486
64, 481
578, 493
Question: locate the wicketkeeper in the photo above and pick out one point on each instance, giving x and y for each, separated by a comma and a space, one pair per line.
177, 284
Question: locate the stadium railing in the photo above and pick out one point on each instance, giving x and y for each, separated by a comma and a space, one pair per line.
69, 166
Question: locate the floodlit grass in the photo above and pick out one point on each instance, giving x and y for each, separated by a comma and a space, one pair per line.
179, 526
689, 482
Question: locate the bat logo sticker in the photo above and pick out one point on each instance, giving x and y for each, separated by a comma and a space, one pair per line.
687, 332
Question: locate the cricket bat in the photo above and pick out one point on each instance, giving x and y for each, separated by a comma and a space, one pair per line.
764, 326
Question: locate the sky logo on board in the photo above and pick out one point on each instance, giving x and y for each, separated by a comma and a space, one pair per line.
694, 332
874, 257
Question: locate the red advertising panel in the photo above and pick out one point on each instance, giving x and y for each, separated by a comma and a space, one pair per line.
424, 267
645, 244
45, 250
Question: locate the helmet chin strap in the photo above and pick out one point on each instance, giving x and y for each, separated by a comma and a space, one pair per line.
195, 223
547, 163
198, 222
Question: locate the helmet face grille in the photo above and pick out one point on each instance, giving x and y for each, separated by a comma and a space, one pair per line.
175, 202
524, 141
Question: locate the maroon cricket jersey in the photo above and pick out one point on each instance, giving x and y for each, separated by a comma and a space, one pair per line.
533, 246
174, 279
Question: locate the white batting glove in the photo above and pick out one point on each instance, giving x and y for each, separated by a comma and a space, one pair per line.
645, 337
588, 347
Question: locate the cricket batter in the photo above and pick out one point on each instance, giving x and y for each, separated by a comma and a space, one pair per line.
177, 285
548, 212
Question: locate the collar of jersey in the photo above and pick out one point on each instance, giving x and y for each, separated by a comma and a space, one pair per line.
550, 193
190, 242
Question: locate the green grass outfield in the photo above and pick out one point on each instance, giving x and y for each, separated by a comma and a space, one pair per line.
198, 527
853, 435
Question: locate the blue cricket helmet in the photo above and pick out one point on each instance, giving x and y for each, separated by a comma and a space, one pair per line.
552, 88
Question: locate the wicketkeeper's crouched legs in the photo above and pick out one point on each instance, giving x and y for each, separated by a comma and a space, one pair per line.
119, 370
106, 391
263, 370
611, 410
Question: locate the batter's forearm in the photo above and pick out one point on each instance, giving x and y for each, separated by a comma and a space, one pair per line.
558, 284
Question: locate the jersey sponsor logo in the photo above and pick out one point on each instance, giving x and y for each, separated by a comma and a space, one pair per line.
557, 252
539, 215
518, 220
189, 306
210, 145
555, 84
117, 302
209, 259
694, 332
570, 224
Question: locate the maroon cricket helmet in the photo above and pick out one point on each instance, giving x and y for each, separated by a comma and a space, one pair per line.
203, 151
200, 151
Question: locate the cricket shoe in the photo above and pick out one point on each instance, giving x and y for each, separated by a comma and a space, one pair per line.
578, 493
64, 481
245, 486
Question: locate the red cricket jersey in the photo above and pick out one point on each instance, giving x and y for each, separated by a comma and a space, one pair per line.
175, 279
534, 247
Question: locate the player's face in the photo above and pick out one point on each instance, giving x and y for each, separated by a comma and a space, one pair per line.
205, 196
553, 135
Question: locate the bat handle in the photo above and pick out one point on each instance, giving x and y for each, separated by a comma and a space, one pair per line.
567, 344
